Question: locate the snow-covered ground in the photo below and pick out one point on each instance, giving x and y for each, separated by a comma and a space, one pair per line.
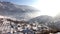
14, 27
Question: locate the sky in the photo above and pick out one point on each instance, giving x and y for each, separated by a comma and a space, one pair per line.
23, 2
46, 7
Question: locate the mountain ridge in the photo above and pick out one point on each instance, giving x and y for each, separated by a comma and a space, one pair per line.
21, 12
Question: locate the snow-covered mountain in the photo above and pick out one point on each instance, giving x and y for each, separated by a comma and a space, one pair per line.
21, 12
43, 19
56, 23
51, 22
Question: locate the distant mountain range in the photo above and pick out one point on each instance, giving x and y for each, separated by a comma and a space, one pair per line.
21, 12
43, 19
51, 22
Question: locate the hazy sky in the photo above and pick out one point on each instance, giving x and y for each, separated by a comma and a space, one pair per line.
47, 7
23, 2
